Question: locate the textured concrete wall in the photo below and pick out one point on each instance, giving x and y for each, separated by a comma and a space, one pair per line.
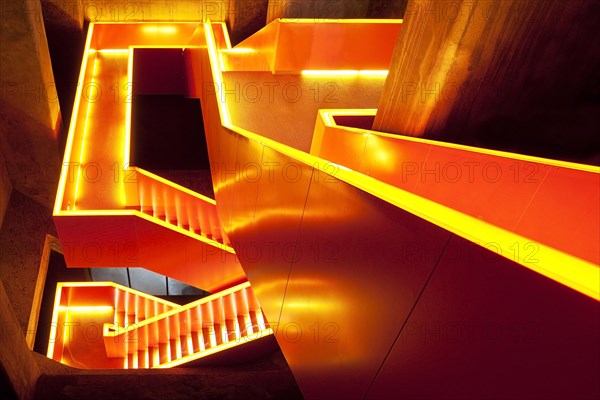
514, 75
15, 358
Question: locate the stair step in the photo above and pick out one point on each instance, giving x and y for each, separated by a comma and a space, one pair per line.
143, 359
175, 349
164, 353
154, 355
187, 347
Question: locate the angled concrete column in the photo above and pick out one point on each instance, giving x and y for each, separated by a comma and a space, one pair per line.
5, 188
500, 74
29, 112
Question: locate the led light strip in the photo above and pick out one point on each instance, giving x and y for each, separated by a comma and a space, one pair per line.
566, 269
346, 72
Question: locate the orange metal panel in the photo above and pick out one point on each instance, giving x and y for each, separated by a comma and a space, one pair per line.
487, 328
525, 192
399, 164
361, 267
133, 241
345, 148
326, 45
470, 182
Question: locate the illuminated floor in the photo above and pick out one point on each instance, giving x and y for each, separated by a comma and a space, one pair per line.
98, 185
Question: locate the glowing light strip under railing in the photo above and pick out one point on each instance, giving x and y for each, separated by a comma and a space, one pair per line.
128, 112
86, 309
62, 183
218, 79
568, 270
58, 308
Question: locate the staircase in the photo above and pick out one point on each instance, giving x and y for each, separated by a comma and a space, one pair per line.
143, 331
174, 204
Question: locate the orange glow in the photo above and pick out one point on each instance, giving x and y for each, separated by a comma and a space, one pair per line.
571, 271
128, 326
346, 72
218, 79
85, 130
342, 21
111, 51
86, 309
128, 113
64, 173
160, 29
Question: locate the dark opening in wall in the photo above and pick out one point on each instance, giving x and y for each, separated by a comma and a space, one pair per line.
355, 121
167, 130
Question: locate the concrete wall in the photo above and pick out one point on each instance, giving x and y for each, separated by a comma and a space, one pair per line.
5, 188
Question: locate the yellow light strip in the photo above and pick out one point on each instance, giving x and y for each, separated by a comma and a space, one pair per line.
112, 51
54, 323
238, 50
225, 35
118, 287
62, 183
571, 271
86, 309
345, 72
339, 21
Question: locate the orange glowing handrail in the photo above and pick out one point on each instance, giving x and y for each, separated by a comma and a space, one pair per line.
573, 272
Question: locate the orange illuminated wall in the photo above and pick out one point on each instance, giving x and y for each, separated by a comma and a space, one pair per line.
383, 263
